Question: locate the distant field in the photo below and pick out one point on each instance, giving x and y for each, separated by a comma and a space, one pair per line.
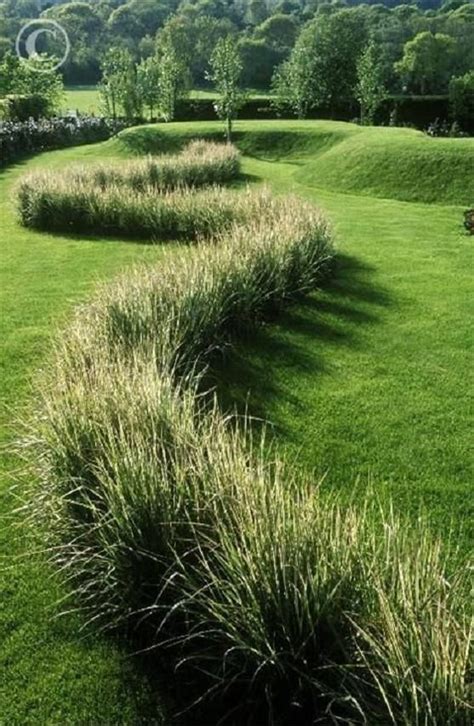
85, 99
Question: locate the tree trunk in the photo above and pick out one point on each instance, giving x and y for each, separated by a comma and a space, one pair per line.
229, 129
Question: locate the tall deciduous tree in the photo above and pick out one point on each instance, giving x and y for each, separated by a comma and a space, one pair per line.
322, 68
293, 82
148, 80
427, 60
170, 82
370, 89
226, 69
279, 31
117, 72
86, 30
256, 12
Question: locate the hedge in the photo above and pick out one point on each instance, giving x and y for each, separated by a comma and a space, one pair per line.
416, 110
27, 137
21, 107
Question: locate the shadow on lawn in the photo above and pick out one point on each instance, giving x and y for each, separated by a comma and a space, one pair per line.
242, 376
299, 339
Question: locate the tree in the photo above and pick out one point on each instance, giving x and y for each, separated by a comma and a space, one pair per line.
427, 61
5, 46
148, 83
118, 87
461, 100
150, 14
226, 69
170, 82
259, 61
193, 38
125, 24
279, 31
322, 68
36, 75
85, 29
293, 83
256, 12
370, 89
9, 73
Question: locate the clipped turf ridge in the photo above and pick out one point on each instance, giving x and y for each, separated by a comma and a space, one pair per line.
392, 163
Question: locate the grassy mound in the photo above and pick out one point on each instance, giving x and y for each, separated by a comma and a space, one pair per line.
383, 162
167, 518
397, 164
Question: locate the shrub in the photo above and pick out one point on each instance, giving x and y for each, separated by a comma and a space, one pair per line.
469, 220
169, 519
22, 107
461, 100
27, 137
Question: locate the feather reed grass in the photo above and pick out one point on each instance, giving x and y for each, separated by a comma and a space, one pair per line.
279, 605
59, 206
139, 199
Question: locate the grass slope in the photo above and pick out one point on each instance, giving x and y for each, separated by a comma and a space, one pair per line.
369, 378
389, 163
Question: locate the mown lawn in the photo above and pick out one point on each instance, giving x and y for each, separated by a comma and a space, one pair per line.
50, 672
86, 100
367, 382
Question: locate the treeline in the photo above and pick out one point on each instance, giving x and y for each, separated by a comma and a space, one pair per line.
266, 34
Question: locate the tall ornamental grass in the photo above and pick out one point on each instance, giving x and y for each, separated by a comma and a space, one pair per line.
73, 191
55, 204
142, 198
274, 604
201, 163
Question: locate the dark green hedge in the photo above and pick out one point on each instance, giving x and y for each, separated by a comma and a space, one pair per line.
19, 107
18, 139
415, 110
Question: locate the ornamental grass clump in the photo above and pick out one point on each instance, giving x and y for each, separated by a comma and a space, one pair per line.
274, 604
57, 205
138, 199
198, 299
201, 163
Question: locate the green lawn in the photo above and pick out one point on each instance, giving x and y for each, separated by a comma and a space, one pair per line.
50, 672
86, 98
368, 381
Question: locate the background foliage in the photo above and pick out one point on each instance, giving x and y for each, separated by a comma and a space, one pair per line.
264, 31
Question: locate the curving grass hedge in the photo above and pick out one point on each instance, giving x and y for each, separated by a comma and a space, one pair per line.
58, 206
276, 604
139, 199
